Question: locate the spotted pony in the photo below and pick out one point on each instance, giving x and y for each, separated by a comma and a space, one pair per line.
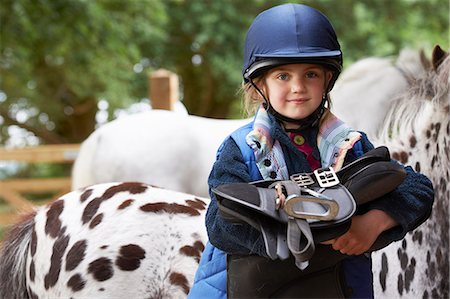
417, 132
113, 240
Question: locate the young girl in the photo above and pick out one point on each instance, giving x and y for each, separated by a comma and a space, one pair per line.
292, 59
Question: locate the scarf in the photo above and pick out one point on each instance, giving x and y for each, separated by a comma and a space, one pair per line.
334, 139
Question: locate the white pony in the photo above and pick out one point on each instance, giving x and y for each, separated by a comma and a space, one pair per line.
159, 147
177, 151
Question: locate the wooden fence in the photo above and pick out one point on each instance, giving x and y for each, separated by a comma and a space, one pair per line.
12, 190
163, 92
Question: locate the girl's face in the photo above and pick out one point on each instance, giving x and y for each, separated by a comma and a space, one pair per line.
296, 90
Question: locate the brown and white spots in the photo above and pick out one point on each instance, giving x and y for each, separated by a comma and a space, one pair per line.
130, 257
32, 270
194, 251
408, 269
96, 221
86, 194
436, 128
196, 204
383, 271
412, 141
33, 244
93, 206
59, 248
417, 236
125, 204
76, 255
179, 279
101, 269
131, 187
401, 156
76, 283
95, 259
419, 267
53, 224
91, 209
170, 208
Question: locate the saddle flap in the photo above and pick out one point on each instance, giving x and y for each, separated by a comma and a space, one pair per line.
260, 200
375, 180
378, 154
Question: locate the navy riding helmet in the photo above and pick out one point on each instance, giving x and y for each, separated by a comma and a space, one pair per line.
291, 33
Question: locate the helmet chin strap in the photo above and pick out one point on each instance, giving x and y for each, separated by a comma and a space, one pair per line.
310, 121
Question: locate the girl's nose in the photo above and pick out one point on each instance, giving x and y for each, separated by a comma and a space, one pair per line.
297, 86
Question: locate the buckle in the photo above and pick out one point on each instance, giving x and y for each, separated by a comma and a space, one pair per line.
326, 177
302, 179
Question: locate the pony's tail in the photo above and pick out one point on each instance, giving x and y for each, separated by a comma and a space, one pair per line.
82, 172
13, 258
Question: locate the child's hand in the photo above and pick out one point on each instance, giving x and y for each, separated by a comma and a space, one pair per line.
363, 232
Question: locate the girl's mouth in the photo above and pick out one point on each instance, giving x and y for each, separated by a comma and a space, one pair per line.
297, 101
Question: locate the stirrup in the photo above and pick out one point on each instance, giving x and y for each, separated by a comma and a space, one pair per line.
293, 206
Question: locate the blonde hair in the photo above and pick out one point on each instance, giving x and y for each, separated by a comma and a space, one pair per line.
251, 97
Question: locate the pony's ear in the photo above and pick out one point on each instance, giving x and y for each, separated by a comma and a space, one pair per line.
438, 56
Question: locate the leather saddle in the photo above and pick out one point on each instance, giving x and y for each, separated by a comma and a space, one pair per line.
294, 215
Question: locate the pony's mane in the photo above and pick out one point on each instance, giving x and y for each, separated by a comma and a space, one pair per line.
427, 93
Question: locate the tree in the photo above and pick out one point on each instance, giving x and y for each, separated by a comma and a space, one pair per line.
205, 50
59, 57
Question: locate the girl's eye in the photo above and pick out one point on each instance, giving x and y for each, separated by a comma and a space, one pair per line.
312, 75
283, 76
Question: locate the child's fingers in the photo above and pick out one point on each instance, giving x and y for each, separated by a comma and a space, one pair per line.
340, 242
329, 242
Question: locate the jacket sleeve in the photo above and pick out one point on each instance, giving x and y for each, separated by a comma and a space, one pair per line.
409, 204
229, 237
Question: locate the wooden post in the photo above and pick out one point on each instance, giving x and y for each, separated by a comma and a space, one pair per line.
163, 89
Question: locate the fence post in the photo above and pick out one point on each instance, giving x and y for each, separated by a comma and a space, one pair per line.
163, 89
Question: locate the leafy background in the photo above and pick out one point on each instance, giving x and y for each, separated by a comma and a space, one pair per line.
60, 58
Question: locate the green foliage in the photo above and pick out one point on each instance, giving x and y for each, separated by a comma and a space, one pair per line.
211, 32
59, 55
